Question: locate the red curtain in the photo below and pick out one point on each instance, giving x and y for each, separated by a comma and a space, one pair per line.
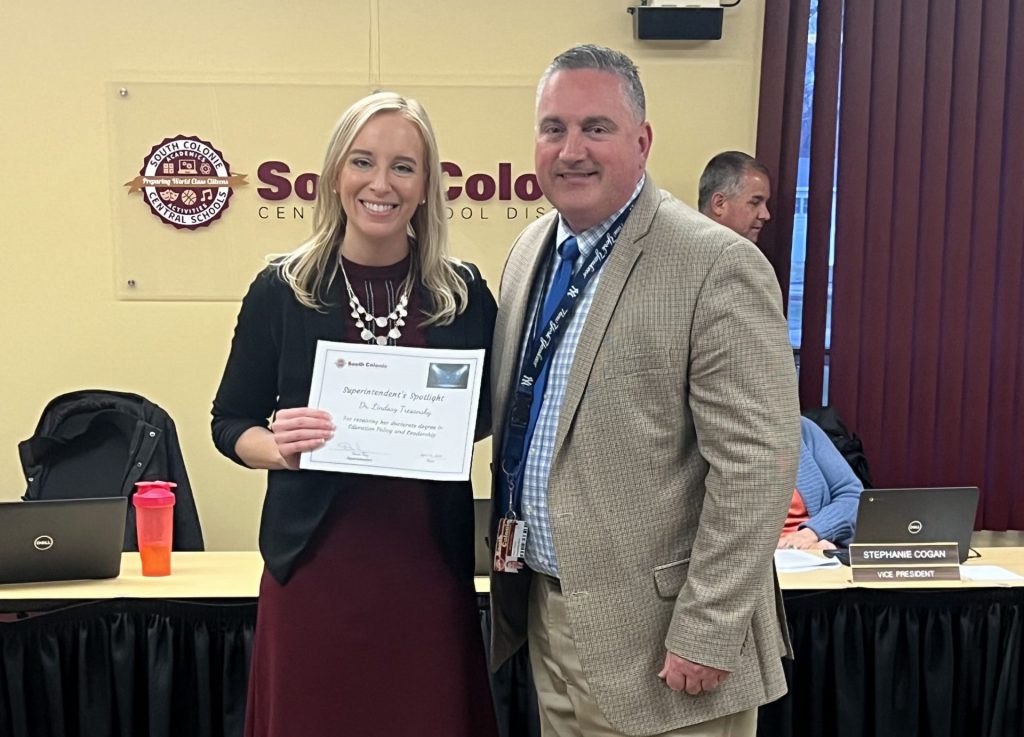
927, 359
783, 57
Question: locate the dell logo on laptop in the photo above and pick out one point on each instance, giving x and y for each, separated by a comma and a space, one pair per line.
914, 527
43, 542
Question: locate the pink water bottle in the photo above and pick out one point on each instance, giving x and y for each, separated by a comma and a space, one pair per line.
154, 525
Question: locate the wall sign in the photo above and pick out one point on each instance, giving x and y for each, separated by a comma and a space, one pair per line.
186, 182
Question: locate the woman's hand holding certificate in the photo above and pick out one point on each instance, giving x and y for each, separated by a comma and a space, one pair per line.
407, 412
300, 429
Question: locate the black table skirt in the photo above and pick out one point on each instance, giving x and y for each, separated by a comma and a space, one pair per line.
877, 663
127, 668
869, 664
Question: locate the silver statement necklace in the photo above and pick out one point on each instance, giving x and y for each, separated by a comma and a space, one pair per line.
368, 324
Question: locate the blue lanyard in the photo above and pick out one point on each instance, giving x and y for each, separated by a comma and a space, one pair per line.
544, 339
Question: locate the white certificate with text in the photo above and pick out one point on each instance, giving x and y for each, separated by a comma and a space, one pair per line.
408, 412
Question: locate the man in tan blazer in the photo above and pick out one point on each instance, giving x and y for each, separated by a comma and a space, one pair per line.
656, 461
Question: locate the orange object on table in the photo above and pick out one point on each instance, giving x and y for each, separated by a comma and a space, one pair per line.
154, 525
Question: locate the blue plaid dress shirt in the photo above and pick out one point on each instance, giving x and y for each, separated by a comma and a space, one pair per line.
540, 548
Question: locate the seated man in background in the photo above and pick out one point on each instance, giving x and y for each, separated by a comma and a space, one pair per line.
734, 191
823, 511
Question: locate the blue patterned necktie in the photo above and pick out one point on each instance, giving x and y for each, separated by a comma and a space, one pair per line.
567, 253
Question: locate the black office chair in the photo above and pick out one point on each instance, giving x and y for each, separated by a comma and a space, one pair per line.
98, 443
847, 443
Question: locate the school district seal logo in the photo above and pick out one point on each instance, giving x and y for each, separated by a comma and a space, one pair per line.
186, 182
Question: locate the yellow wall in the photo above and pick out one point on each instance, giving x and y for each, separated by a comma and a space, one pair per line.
64, 322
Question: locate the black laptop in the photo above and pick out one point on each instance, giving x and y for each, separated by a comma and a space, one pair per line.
61, 539
918, 516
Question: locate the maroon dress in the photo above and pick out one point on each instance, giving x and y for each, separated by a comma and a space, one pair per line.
374, 634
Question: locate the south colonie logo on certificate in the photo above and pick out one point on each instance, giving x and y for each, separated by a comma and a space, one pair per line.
186, 182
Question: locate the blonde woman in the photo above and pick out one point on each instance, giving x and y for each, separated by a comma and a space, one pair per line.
367, 620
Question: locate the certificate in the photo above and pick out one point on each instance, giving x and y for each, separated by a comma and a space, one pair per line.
407, 412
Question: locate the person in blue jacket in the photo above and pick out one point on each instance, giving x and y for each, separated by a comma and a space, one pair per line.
823, 511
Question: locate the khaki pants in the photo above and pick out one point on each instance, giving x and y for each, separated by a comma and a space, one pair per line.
567, 708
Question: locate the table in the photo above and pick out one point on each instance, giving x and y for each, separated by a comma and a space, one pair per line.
838, 577
929, 659
226, 575
131, 656
934, 659
165, 657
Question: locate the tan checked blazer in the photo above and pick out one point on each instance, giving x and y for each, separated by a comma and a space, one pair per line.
673, 467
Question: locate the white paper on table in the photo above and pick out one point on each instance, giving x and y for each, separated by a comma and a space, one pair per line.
795, 561
407, 412
988, 573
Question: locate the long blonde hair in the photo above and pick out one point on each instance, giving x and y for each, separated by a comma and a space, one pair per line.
311, 268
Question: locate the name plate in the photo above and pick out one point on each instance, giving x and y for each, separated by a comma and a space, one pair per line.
901, 563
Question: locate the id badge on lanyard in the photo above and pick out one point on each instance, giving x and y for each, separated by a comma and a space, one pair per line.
510, 545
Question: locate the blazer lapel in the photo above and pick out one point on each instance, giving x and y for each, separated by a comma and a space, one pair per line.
614, 276
456, 334
523, 269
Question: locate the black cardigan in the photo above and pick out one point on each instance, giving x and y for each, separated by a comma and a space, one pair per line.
270, 368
